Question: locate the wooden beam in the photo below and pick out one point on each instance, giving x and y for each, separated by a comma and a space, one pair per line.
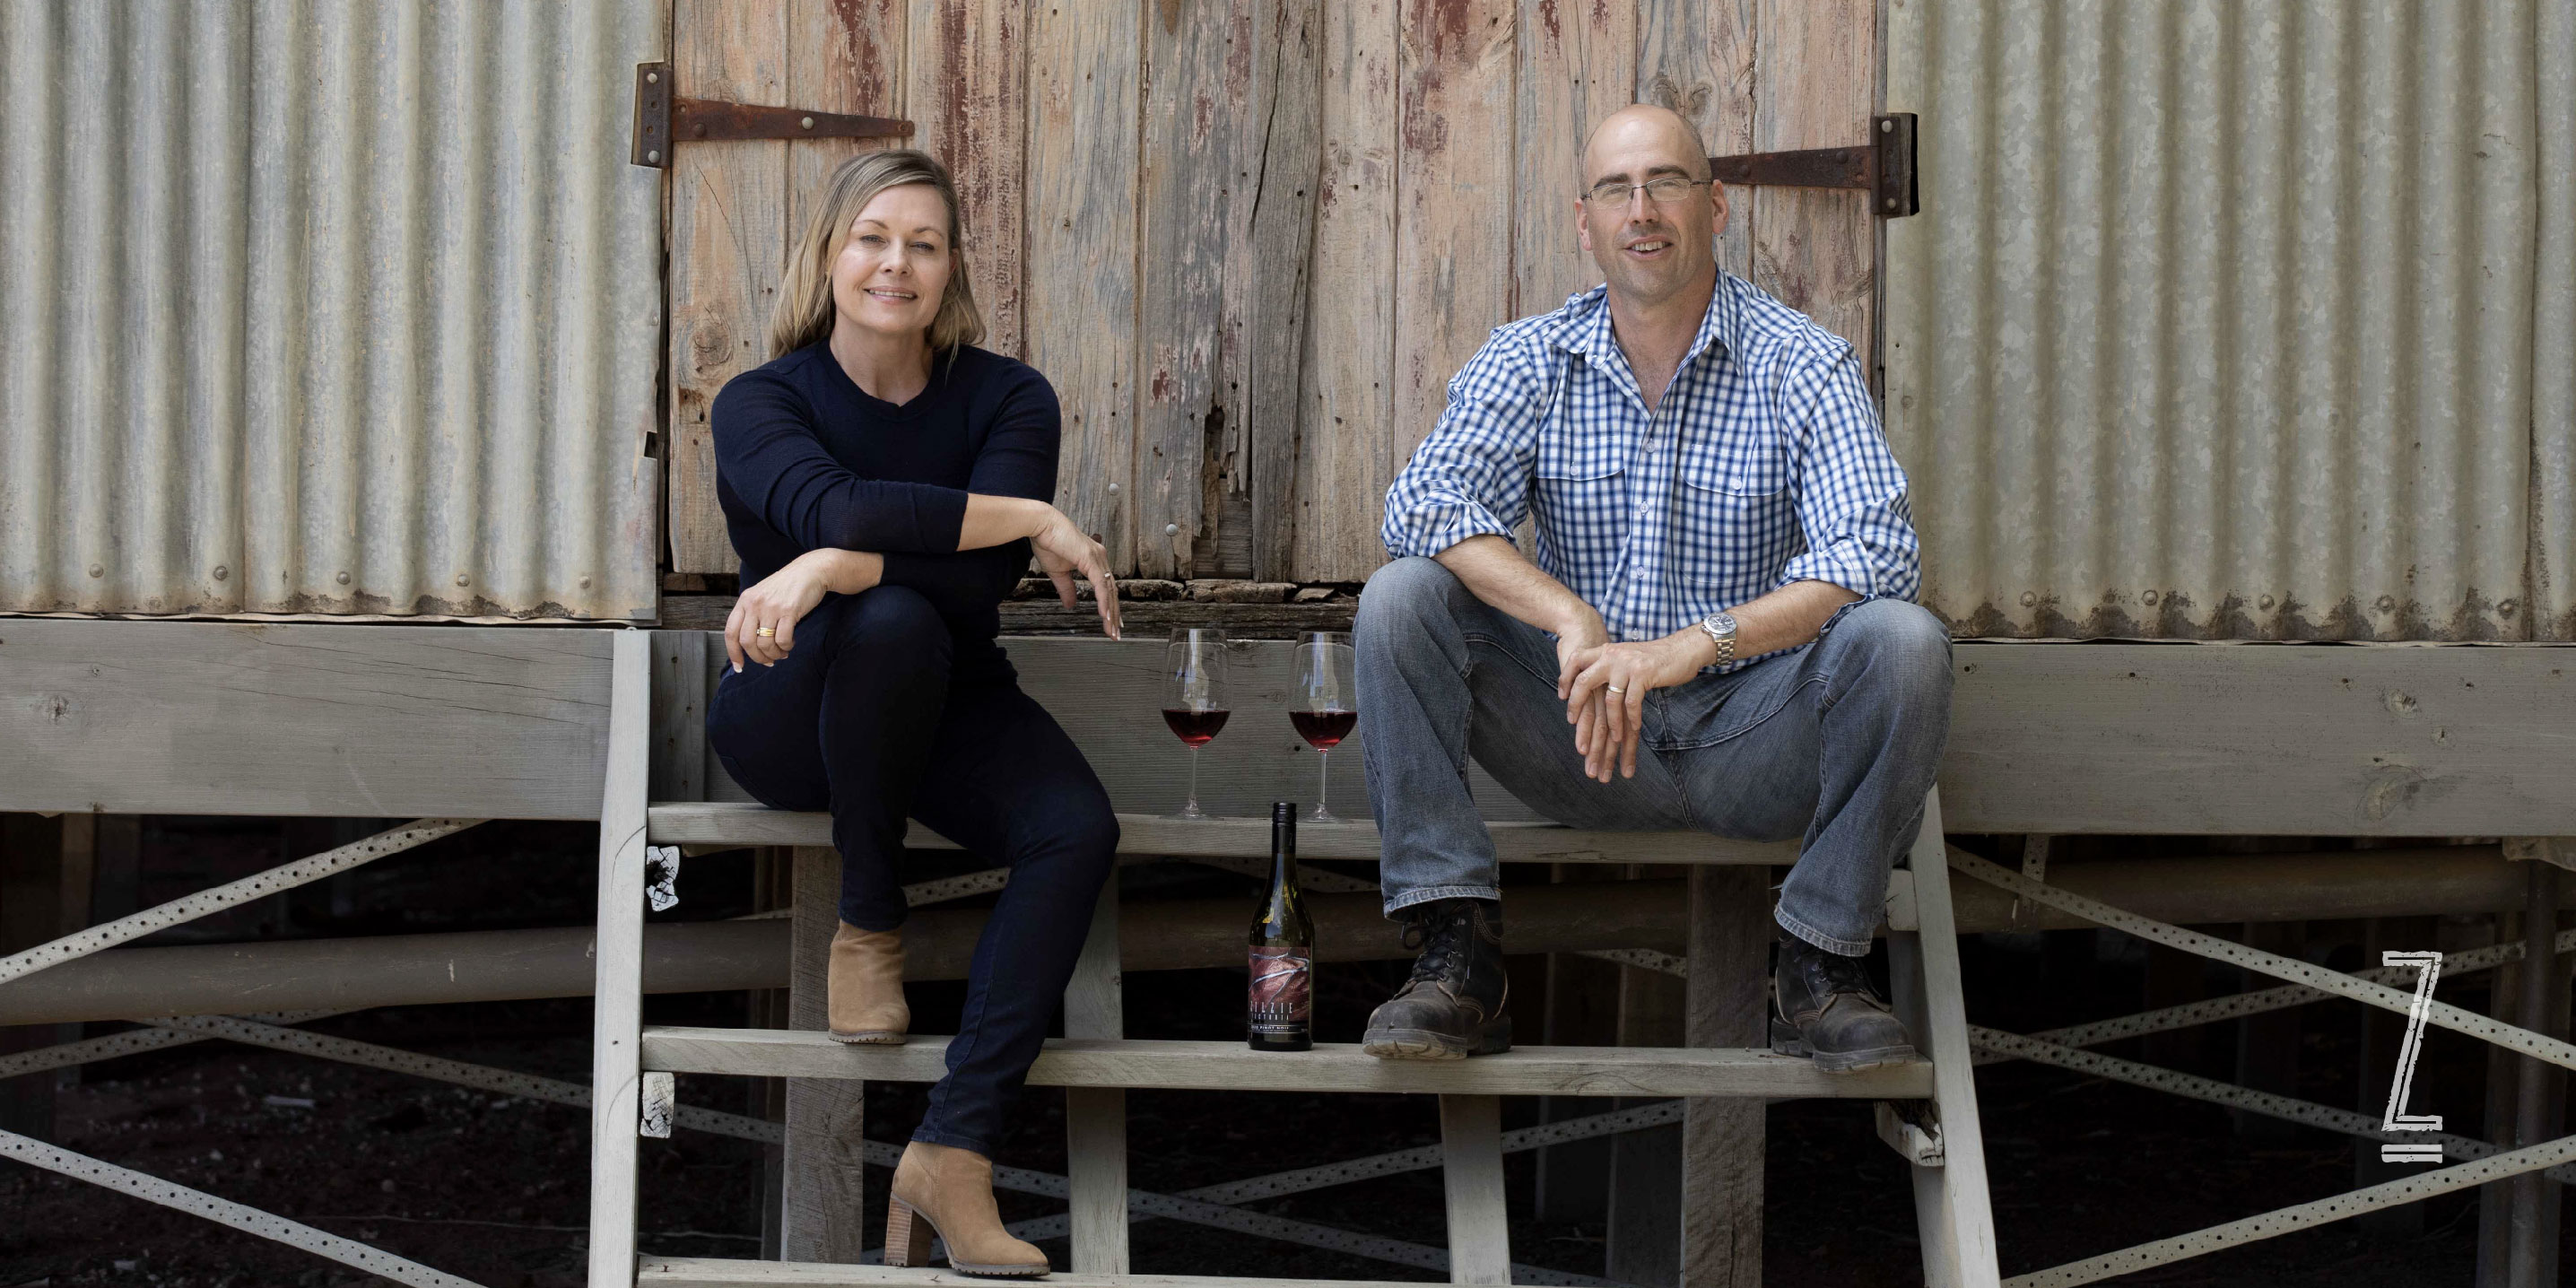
1952, 1211
1723, 1140
1276, 190
728, 237
707, 1272
124, 717
1816, 249
1345, 456
966, 87
1229, 1066
2279, 739
736, 824
1095, 1118
1697, 58
1084, 65
1471, 1156
823, 1195
1577, 64
618, 984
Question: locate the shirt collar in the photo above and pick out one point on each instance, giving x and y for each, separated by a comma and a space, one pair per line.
1587, 334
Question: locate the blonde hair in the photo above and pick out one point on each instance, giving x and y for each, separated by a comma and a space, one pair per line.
804, 311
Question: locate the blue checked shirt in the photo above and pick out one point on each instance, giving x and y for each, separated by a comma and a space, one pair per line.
1763, 465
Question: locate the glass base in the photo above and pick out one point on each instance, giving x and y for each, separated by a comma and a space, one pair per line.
1191, 811
1319, 814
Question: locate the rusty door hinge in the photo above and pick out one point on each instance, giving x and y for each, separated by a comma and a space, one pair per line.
662, 118
1883, 167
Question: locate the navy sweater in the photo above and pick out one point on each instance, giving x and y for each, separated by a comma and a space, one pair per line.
807, 460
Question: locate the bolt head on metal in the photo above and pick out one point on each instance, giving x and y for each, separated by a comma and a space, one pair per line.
1171, 529
460, 579
1887, 127
344, 579
809, 122
98, 570
222, 572
652, 78
653, 156
1113, 489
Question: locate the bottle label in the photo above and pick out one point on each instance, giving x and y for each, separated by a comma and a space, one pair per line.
1283, 992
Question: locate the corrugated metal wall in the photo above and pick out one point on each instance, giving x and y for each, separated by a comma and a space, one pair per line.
327, 308
2219, 320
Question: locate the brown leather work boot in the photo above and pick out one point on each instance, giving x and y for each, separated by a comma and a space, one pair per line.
948, 1192
864, 999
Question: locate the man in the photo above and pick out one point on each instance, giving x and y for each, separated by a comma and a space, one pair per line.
1717, 634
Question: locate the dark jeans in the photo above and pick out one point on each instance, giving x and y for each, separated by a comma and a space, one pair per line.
863, 719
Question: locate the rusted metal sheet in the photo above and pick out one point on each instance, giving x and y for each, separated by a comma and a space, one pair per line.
340, 309
2218, 321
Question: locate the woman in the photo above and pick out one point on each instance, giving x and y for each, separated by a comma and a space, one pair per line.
884, 481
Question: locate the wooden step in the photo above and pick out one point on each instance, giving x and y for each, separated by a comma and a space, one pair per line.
735, 823
1229, 1066
710, 1272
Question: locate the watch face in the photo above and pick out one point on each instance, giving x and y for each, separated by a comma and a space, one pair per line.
1723, 623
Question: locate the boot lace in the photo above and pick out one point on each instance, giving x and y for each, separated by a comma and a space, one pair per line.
1841, 974
1441, 937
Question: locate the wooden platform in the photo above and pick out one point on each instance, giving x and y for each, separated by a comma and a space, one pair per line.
1230, 1066
710, 1272
735, 823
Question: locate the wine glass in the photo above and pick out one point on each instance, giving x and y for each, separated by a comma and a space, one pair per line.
1194, 696
1325, 704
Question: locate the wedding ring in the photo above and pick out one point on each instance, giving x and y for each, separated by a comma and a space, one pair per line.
764, 632
1614, 688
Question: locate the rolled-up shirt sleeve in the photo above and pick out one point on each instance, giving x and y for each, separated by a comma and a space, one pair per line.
1471, 477
1851, 493
766, 450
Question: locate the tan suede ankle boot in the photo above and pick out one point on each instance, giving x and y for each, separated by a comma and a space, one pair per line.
864, 998
944, 1191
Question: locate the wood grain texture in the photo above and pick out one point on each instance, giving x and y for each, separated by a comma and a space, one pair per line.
841, 56
699, 1272
1198, 60
1817, 248
1277, 186
1471, 1159
1229, 1066
1697, 58
965, 88
2220, 738
335, 721
1453, 237
729, 204
1084, 65
1578, 64
1095, 1118
736, 823
682, 682
1346, 425
1953, 1213
1723, 1140
823, 1199
617, 1017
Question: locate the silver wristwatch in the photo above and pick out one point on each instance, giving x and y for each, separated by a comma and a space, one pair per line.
1720, 626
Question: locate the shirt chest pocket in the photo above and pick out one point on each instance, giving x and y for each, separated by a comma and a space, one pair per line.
1581, 486
1735, 509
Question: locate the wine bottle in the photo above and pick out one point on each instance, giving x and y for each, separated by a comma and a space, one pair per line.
1282, 1002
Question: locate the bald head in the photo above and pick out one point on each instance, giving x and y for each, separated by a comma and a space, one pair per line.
1643, 127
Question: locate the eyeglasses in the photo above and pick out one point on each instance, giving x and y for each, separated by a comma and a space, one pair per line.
1663, 191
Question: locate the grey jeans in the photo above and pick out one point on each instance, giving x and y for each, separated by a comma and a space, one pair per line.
1835, 743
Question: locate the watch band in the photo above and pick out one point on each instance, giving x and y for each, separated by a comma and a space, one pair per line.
1720, 626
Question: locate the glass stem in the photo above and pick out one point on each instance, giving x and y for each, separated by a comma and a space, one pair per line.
1323, 777
1194, 778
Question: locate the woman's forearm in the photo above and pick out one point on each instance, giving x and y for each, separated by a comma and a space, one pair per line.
846, 572
1000, 520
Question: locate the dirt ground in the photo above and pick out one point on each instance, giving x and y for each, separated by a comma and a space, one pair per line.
493, 1188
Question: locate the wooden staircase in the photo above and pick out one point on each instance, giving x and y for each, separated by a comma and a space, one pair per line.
1097, 1062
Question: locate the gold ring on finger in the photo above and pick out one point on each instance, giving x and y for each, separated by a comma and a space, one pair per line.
765, 632
1614, 688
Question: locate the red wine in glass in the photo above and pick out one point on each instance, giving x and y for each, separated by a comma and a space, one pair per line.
1197, 728
1194, 697
1322, 730
1324, 705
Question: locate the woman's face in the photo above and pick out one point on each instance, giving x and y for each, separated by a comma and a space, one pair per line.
894, 268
